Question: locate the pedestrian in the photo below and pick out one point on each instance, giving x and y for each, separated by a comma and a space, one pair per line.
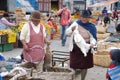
81, 57
113, 71
53, 27
111, 28
65, 19
89, 9
4, 22
108, 19
33, 38
115, 14
104, 11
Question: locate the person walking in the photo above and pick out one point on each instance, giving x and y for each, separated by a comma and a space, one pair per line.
83, 38
33, 38
65, 19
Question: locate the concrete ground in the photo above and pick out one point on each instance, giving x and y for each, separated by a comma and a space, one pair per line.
95, 73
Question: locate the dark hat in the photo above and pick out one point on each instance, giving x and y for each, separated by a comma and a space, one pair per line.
35, 15
5, 15
85, 14
64, 4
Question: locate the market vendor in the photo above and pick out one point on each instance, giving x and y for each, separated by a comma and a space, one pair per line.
4, 23
33, 38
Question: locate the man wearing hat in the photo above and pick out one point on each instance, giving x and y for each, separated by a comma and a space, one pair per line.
33, 38
4, 23
78, 61
65, 19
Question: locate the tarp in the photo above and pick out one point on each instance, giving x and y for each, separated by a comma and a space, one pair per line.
114, 73
104, 3
29, 5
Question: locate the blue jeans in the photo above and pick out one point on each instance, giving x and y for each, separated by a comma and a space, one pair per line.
63, 34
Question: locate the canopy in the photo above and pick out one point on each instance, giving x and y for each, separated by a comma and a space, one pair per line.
104, 3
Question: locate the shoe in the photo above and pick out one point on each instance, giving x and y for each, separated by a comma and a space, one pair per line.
63, 44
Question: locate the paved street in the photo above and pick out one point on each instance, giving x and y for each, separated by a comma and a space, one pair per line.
95, 73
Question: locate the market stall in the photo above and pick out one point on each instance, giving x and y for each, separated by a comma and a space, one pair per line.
104, 3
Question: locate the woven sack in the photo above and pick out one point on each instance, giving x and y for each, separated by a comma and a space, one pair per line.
100, 29
102, 52
102, 60
102, 36
47, 59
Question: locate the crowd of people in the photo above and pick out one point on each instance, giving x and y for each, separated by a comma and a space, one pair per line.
82, 33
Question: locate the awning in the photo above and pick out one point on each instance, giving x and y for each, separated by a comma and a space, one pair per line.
104, 3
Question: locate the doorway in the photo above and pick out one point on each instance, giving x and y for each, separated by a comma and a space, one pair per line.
55, 5
3, 5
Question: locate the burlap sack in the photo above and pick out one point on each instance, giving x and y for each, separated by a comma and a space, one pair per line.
103, 36
100, 29
47, 59
103, 52
102, 60
107, 45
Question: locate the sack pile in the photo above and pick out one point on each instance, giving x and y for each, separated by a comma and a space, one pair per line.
103, 36
102, 57
101, 29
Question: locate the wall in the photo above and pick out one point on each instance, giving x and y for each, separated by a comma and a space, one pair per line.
11, 7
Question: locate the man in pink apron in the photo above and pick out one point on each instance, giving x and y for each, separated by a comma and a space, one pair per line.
33, 38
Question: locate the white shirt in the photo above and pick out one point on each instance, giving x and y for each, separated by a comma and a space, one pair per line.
25, 32
69, 32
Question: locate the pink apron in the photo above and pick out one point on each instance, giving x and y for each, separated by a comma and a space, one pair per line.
36, 46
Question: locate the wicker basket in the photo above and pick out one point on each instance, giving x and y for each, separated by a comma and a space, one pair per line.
102, 60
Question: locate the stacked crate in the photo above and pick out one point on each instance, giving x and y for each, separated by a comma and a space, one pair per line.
3, 40
7, 38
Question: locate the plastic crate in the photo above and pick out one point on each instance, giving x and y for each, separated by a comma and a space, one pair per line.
1, 47
12, 38
3, 39
7, 47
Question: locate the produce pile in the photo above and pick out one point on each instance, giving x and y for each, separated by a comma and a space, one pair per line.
18, 28
4, 32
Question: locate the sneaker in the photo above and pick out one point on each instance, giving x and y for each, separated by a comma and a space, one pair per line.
63, 44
